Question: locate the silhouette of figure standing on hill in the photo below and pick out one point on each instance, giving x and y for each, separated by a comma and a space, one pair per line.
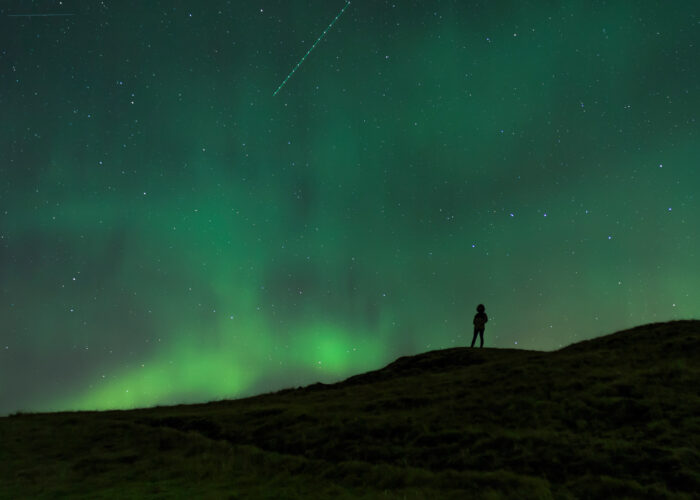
480, 320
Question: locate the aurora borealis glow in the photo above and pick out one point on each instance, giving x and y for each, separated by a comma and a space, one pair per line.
172, 232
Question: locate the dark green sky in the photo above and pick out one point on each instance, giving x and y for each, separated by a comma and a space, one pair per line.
170, 231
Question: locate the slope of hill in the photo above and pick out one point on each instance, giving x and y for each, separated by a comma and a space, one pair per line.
613, 417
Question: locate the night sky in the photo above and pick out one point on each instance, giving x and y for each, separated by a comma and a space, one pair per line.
171, 232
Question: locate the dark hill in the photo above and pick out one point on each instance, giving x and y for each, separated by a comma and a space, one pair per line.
613, 417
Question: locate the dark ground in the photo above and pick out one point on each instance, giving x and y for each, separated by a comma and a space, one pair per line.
613, 417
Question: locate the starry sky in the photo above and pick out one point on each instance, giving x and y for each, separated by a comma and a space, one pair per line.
171, 232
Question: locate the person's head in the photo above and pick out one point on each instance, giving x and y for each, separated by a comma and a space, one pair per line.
480, 308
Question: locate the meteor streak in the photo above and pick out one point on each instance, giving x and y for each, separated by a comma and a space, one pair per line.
37, 15
312, 48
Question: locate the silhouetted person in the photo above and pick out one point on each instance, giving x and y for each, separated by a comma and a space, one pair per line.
480, 320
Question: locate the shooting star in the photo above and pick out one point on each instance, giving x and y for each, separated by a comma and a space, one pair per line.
38, 15
312, 47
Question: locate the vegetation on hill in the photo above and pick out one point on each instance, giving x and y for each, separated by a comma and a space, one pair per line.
613, 417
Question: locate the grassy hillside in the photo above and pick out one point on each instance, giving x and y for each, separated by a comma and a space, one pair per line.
613, 417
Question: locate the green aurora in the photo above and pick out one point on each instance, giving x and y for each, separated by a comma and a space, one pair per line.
172, 232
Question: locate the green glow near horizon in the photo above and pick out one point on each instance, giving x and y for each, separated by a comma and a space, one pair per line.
190, 373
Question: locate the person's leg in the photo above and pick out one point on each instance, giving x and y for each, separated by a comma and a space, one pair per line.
481, 336
474, 337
